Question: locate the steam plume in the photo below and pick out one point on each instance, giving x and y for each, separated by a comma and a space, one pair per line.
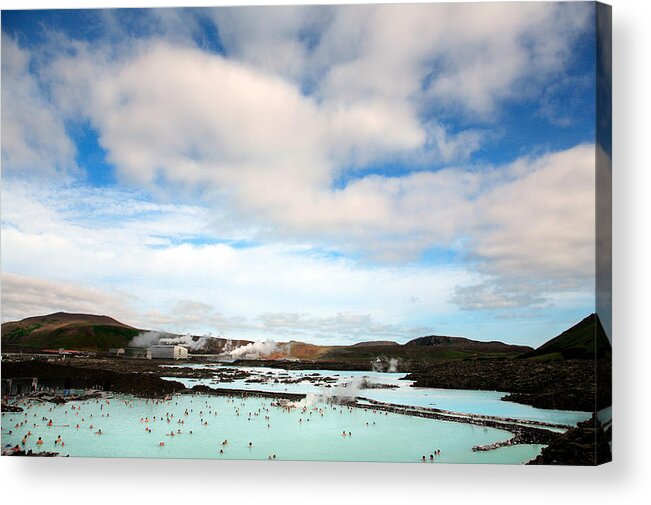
254, 350
149, 338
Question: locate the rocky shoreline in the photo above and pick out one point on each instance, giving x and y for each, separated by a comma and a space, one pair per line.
587, 444
561, 385
67, 376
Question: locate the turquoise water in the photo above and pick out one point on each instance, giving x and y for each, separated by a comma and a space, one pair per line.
456, 400
315, 434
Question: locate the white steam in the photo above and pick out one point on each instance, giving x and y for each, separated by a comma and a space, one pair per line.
149, 338
342, 393
186, 341
254, 350
383, 364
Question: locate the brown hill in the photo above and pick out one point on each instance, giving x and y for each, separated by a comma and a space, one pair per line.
466, 344
69, 331
93, 332
375, 343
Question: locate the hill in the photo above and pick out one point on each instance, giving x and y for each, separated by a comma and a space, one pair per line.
98, 333
468, 345
584, 340
430, 348
375, 343
69, 331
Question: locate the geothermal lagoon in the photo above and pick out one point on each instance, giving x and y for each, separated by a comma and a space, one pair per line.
276, 429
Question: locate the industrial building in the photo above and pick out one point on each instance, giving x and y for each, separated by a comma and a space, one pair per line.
23, 385
137, 353
168, 352
130, 352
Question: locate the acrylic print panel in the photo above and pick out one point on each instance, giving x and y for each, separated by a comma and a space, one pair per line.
344, 233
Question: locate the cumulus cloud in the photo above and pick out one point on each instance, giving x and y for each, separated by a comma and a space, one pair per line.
536, 232
274, 142
347, 52
34, 138
521, 257
24, 296
340, 327
181, 280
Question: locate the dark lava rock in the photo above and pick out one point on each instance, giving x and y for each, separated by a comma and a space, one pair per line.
72, 377
11, 408
585, 445
563, 384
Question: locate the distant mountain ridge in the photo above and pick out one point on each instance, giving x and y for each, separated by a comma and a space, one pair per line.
101, 332
368, 343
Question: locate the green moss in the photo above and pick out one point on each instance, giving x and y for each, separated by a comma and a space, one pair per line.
80, 337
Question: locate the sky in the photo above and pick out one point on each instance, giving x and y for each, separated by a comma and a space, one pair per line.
330, 174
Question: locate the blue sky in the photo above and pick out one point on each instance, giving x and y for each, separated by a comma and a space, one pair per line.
328, 174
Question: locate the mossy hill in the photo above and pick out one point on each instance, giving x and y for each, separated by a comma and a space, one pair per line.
585, 340
68, 331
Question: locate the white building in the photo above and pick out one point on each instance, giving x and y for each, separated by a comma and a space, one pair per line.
168, 352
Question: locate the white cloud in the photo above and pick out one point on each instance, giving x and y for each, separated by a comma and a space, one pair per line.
257, 140
34, 139
200, 287
27, 296
536, 235
471, 56
530, 241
